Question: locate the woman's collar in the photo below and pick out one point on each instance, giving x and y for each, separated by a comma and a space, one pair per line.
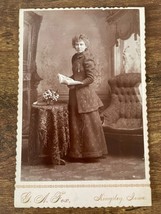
79, 55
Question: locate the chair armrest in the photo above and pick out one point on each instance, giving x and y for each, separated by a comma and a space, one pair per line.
110, 129
110, 115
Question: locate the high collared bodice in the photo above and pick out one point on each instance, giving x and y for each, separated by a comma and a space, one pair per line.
83, 67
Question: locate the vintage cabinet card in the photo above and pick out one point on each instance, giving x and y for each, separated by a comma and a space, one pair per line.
82, 137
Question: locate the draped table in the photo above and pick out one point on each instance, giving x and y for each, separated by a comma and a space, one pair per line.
49, 132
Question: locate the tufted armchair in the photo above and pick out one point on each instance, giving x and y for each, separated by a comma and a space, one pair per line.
122, 120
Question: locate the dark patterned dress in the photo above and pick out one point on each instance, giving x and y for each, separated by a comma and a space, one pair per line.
86, 133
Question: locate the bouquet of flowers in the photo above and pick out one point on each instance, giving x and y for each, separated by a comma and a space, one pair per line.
50, 95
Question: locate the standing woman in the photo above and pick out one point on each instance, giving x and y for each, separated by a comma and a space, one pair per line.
87, 139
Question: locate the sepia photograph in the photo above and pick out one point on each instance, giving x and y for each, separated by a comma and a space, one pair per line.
82, 104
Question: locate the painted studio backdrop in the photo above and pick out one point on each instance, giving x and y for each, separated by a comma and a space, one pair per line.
47, 50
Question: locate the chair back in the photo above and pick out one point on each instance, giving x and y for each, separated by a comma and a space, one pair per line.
126, 96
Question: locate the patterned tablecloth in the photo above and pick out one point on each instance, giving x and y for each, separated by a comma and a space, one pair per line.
49, 132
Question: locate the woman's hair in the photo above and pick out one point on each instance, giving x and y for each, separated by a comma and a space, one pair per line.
80, 37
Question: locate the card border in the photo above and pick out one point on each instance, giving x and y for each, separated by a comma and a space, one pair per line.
143, 185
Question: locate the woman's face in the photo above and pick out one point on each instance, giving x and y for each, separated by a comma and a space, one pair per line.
80, 46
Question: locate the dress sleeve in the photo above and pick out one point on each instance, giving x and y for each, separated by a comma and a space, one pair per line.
89, 67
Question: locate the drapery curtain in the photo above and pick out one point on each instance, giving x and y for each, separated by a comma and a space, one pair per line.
127, 56
125, 40
123, 24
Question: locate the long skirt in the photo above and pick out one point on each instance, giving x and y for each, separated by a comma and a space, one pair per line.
86, 133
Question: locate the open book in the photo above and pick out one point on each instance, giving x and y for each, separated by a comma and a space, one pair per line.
67, 80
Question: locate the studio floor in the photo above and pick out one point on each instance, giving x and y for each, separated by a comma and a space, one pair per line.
109, 168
